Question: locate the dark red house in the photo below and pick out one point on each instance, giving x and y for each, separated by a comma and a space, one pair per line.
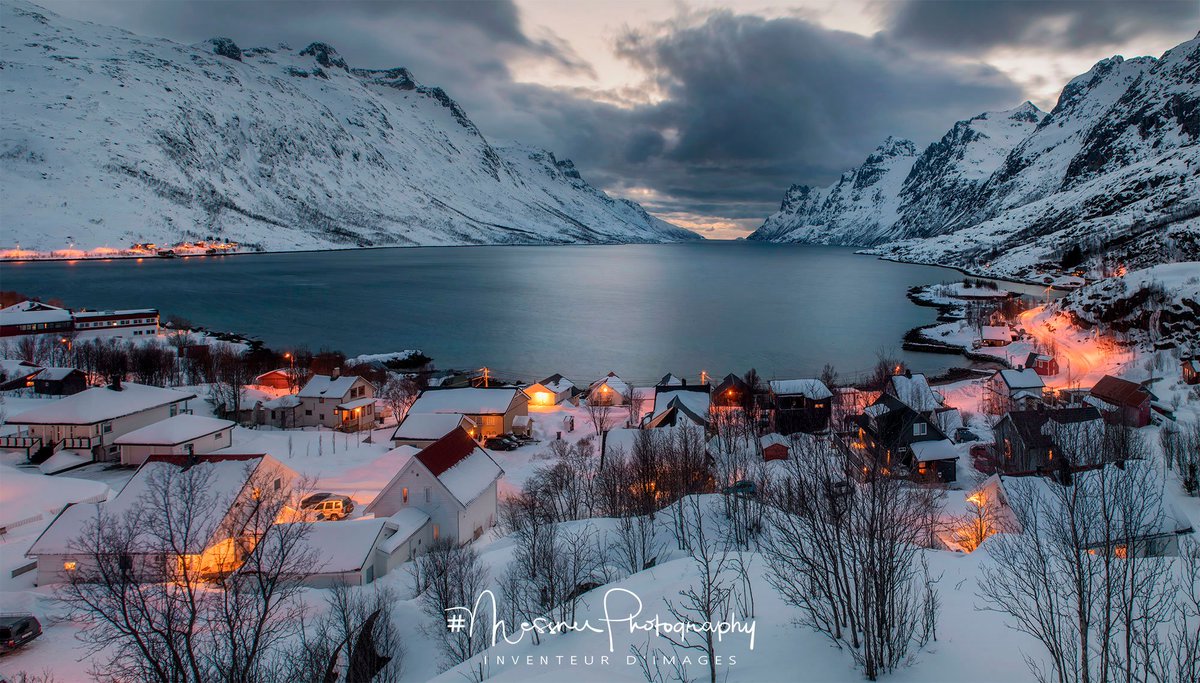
775, 447
1042, 364
1122, 401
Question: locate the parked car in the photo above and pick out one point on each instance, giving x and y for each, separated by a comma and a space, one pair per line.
328, 506
963, 435
499, 443
17, 629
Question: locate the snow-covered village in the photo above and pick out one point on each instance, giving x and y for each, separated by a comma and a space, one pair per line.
307, 374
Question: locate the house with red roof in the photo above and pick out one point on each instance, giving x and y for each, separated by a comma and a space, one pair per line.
452, 480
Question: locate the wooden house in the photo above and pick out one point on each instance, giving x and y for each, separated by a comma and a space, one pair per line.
422, 429
344, 402
215, 534
1190, 369
1028, 440
59, 381
609, 390
492, 410
17, 374
995, 335
89, 422
914, 390
452, 480
775, 447
1122, 401
276, 379
732, 392
1010, 390
358, 552
800, 405
551, 391
893, 435
180, 435
675, 402
1042, 364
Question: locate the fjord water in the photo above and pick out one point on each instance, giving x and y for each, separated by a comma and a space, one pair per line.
638, 310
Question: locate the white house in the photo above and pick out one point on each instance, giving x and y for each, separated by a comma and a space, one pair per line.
93, 419
452, 480
360, 551
214, 532
679, 402
422, 429
609, 390
337, 402
995, 335
1014, 390
180, 435
492, 410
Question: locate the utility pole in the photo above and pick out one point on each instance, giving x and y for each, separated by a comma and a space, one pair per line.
703, 377
486, 377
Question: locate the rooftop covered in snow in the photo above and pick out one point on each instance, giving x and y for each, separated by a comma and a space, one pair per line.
99, 404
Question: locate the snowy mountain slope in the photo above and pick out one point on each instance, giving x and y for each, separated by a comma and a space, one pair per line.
1159, 305
109, 138
1114, 167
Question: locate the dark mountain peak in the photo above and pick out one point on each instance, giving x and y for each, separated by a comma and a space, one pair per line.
224, 47
1027, 112
895, 147
795, 196
325, 55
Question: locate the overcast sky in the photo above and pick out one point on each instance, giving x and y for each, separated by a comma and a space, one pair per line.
705, 112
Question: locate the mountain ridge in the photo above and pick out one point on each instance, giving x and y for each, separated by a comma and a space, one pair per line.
1112, 167
111, 138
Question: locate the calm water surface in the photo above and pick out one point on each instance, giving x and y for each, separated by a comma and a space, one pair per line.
640, 310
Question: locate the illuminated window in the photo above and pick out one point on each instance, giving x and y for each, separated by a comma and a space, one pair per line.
435, 532
404, 494
69, 565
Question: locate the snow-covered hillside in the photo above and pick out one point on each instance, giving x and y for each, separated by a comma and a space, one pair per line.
109, 138
1114, 168
1158, 305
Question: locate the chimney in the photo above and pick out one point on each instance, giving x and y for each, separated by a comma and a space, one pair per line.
684, 380
337, 371
114, 382
908, 373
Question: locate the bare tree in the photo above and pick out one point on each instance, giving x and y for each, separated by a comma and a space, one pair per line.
1080, 576
845, 553
230, 378
453, 576
707, 601
356, 636
399, 393
599, 413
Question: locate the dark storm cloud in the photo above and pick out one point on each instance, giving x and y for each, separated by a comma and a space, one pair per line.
976, 25
751, 105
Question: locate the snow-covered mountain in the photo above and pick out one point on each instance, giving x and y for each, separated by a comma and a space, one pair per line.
1114, 167
110, 138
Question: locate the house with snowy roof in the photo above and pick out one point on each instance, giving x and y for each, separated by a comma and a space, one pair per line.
1189, 367
551, 391
732, 392
90, 422
1121, 401
670, 380
894, 436
1028, 440
800, 405
1009, 390
492, 410
673, 405
52, 381
1042, 363
775, 446
452, 480
609, 390
1154, 533
422, 429
34, 317
214, 533
184, 434
914, 390
17, 374
995, 335
336, 401
360, 551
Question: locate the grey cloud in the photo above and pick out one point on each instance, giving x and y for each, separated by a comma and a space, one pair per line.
976, 25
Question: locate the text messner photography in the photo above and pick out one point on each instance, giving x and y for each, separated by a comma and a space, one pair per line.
623, 620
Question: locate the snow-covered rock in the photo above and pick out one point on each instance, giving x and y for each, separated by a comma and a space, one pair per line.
1159, 305
109, 138
1112, 168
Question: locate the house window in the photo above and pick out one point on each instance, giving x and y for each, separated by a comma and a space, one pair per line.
219, 435
308, 412
428, 494
435, 532
70, 565
174, 410
404, 494
106, 428
920, 429
278, 483
189, 449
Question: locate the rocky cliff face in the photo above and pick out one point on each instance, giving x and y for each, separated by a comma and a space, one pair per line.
109, 138
1114, 167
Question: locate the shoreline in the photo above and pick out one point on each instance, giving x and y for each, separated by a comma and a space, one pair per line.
916, 340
